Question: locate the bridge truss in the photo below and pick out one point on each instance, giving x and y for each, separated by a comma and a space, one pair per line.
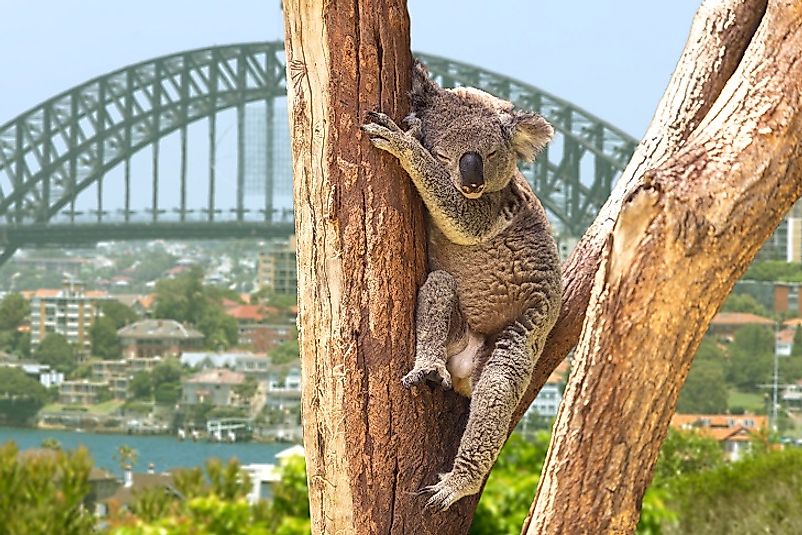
70, 168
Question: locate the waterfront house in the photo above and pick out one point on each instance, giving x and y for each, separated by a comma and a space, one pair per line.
103, 370
115, 374
734, 432
158, 338
81, 392
133, 485
42, 373
215, 386
284, 391
210, 359
253, 364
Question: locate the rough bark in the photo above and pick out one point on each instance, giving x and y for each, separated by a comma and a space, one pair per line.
370, 444
719, 35
694, 212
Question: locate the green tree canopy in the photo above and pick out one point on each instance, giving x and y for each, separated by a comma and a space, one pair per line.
167, 371
286, 352
119, 313
14, 312
187, 300
57, 352
20, 396
774, 270
744, 303
167, 393
267, 296
511, 485
705, 390
759, 494
166, 382
686, 452
751, 353
140, 385
104, 339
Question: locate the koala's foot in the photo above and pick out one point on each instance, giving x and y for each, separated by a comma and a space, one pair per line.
450, 489
433, 374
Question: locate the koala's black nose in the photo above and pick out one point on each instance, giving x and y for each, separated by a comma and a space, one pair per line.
471, 172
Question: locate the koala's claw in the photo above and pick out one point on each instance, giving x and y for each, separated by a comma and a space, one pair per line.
433, 375
384, 138
443, 495
384, 120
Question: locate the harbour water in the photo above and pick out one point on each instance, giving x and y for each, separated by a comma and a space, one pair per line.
165, 452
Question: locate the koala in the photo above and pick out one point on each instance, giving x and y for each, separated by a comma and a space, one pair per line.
494, 289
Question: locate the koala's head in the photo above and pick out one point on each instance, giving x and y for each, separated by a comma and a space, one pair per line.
479, 138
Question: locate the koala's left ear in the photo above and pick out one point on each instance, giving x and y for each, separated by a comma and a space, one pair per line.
528, 133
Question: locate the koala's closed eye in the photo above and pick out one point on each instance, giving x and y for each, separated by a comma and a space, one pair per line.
440, 155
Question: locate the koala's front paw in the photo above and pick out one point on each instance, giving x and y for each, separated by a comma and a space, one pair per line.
386, 135
448, 491
414, 126
433, 375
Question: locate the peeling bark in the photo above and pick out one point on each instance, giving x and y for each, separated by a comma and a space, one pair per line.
683, 226
370, 444
718, 38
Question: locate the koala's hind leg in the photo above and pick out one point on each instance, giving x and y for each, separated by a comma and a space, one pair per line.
439, 327
496, 394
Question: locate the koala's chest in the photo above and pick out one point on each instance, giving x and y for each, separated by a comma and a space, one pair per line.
495, 280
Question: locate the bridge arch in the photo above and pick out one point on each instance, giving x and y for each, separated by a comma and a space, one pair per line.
52, 153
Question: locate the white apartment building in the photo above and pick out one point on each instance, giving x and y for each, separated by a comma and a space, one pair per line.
69, 311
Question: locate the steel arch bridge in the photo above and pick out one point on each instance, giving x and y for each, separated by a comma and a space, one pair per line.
68, 166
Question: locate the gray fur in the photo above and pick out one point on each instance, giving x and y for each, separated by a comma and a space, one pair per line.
494, 291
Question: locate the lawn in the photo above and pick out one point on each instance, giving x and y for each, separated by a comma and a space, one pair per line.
749, 401
105, 408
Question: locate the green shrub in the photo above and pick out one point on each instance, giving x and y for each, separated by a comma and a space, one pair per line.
43, 491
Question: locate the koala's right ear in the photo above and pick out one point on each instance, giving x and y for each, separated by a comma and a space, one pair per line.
423, 89
528, 133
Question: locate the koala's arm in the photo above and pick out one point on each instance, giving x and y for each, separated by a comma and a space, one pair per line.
463, 221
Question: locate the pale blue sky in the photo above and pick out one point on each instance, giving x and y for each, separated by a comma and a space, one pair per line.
612, 58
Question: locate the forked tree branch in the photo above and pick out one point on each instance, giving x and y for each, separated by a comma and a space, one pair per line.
681, 238
720, 33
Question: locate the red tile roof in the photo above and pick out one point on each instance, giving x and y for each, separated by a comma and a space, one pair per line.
740, 318
246, 312
721, 427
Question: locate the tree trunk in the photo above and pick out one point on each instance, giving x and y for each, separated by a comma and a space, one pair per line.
370, 445
682, 229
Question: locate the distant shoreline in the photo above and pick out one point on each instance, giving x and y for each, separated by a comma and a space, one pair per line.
164, 451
